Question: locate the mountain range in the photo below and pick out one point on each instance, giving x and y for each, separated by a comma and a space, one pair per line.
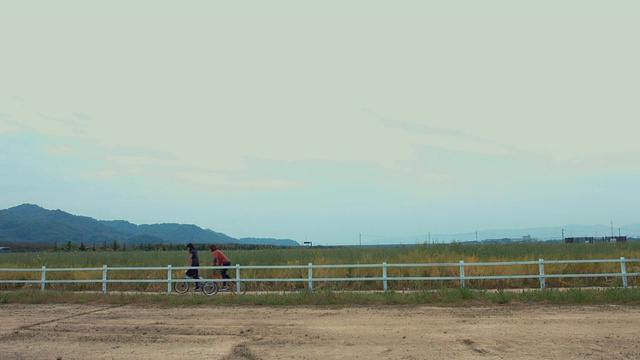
30, 224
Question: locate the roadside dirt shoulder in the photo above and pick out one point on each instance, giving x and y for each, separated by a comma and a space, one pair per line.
382, 332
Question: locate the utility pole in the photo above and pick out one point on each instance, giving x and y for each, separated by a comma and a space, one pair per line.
360, 239
562, 234
611, 227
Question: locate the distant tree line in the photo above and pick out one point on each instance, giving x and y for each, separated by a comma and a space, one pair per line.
117, 245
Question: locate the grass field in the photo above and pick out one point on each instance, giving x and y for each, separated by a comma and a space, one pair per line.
421, 254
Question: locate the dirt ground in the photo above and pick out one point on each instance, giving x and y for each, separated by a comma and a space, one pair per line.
382, 332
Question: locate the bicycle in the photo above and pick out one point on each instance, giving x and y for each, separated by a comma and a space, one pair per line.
231, 287
207, 287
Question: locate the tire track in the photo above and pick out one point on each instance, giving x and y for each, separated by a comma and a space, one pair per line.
31, 326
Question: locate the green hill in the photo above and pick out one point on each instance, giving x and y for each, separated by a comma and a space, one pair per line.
30, 224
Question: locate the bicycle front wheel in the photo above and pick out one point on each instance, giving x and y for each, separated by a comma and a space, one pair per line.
210, 288
244, 286
181, 287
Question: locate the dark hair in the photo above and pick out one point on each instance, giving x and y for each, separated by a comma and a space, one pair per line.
190, 246
213, 247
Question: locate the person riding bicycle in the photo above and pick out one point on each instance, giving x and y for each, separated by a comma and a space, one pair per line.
219, 259
194, 262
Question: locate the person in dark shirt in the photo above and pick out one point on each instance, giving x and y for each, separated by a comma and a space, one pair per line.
194, 263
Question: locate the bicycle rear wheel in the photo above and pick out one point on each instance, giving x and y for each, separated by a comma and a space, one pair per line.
233, 287
181, 287
210, 288
245, 286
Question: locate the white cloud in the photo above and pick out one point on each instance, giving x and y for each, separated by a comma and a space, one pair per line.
8, 127
209, 181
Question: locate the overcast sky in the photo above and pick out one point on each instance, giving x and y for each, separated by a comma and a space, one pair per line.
323, 120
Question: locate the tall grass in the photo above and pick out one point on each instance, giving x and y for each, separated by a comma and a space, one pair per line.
441, 253
423, 254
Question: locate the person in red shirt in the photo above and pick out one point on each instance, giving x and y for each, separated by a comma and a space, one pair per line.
219, 259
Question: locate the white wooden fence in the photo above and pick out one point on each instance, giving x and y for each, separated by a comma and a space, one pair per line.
309, 279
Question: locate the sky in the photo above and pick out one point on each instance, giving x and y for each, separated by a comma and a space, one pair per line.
333, 122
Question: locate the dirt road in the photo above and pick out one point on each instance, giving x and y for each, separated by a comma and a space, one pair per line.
383, 332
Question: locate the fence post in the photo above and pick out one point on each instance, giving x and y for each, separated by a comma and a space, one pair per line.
310, 276
238, 282
462, 274
543, 285
623, 266
169, 277
44, 278
104, 279
384, 276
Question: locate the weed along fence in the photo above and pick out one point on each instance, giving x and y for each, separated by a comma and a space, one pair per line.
541, 274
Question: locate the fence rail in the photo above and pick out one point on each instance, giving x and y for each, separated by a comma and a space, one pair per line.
105, 275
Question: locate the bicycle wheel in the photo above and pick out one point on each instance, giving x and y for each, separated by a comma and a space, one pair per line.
181, 287
231, 287
210, 288
251, 287
243, 287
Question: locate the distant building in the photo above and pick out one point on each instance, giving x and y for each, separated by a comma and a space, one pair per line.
593, 239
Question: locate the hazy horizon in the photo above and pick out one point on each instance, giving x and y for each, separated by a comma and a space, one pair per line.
320, 121
534, 234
